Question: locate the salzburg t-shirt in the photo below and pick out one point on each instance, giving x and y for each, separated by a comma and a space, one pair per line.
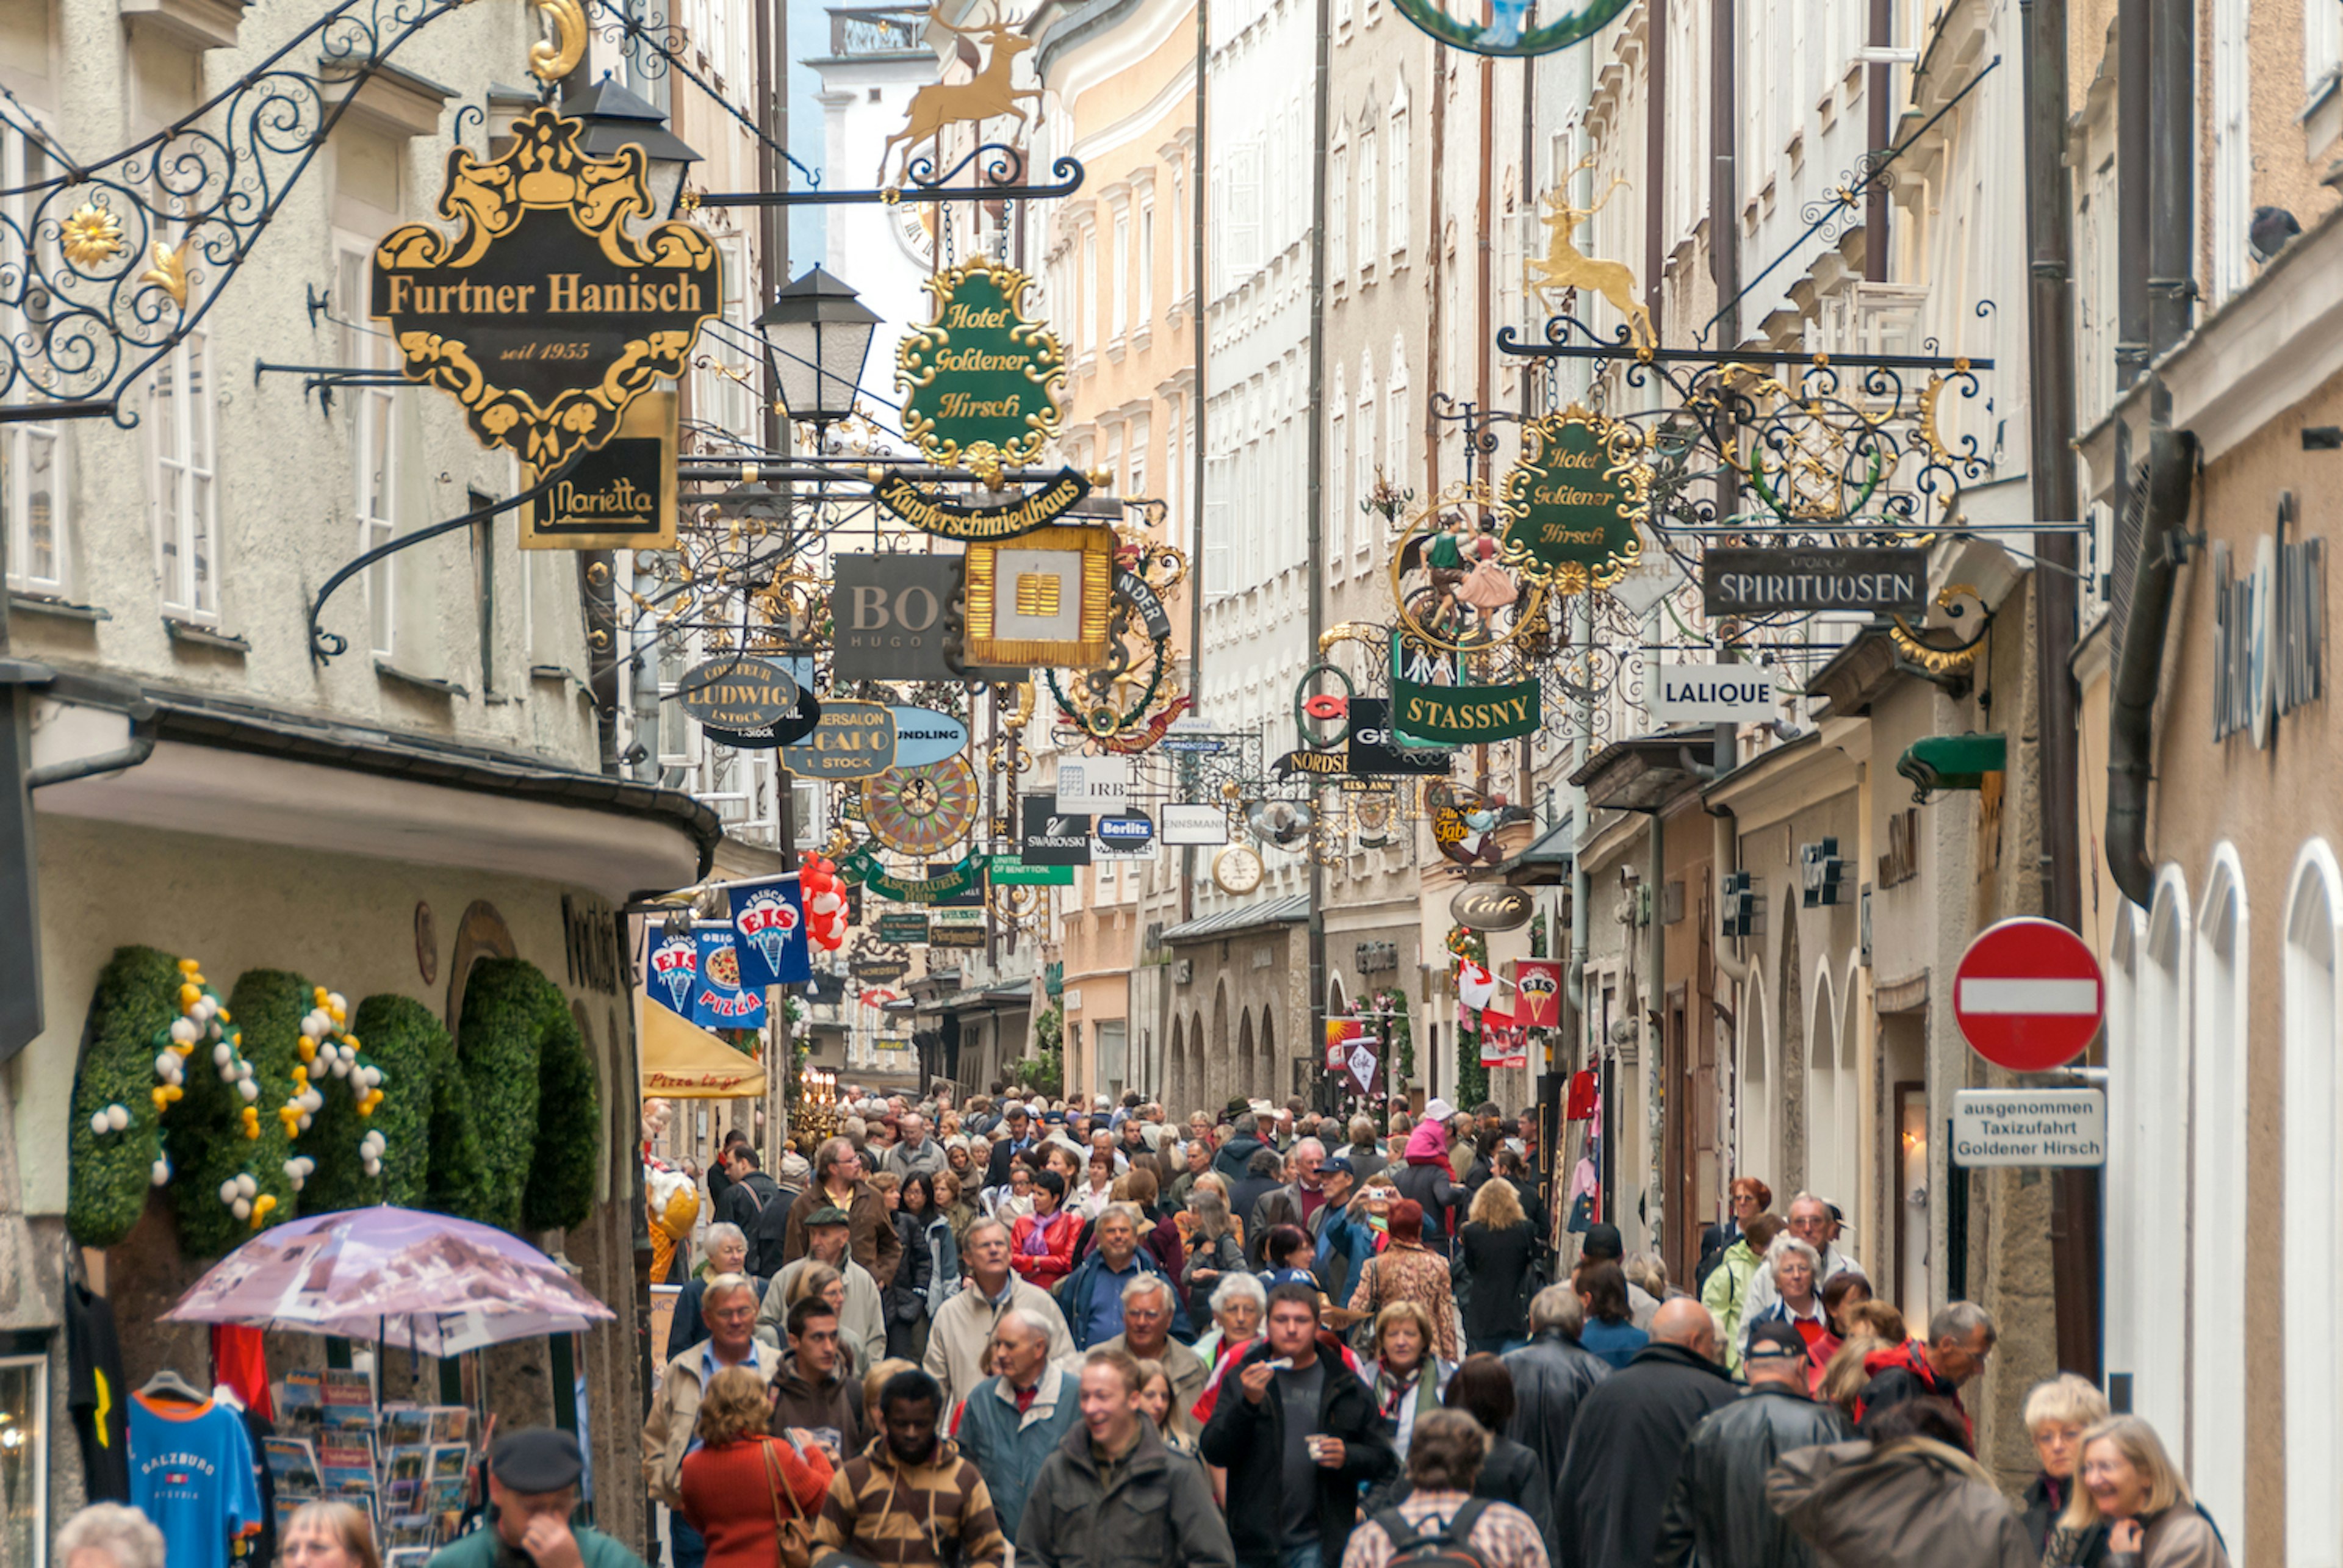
191, 1473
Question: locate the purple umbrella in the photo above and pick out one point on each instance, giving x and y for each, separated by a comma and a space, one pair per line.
422, 1282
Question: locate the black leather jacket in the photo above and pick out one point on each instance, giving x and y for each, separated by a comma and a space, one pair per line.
1717, 1515
1551, 1375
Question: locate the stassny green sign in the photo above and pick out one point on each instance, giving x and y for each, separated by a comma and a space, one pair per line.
1466, 714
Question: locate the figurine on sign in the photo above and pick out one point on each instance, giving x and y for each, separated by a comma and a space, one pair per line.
983, 97
1444, 560
1488, 588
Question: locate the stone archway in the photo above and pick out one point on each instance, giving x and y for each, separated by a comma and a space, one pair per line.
1266, 1065
1198, 1091
1221, 1065
1248, 1065
1175, 1063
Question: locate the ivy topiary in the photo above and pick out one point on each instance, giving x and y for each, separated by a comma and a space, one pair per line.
499, 1042
399, 1035
213, 1142
111, 1173
560, 1190
456, 1181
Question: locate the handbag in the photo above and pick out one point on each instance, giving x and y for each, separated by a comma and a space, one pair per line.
793, 1531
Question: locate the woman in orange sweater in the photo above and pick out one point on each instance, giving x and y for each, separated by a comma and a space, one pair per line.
741, 1483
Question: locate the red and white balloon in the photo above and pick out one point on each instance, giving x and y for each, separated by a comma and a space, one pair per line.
825, 902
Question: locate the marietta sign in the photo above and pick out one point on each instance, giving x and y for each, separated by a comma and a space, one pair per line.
1575, 500
618, 497
981, 380
542, 314
1734, 580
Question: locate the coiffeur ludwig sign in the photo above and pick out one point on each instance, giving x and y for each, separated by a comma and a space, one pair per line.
981, 380
1575, 500
542, 315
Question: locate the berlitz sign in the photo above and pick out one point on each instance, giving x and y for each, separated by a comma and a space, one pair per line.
2030, 1127
1739, 581
1709, 693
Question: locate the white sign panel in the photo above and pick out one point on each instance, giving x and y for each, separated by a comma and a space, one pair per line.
1193, 825
2030, 1127
1096, 785
1710, 693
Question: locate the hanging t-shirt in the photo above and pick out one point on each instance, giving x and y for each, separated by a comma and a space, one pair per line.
191, 1473
97, 1395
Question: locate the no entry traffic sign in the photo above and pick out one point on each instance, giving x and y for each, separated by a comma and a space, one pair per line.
2028, 995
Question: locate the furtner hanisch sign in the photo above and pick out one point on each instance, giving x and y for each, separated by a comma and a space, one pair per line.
1741, 582
2030, 1127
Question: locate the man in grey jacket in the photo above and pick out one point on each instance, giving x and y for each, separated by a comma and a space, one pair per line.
1717, 1516
1113, 1493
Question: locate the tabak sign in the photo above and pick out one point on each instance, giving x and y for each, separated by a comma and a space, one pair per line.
980, 381
1574, 500
542, 314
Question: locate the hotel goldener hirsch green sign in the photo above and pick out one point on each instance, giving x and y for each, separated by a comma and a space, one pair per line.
1574, 500
543, 312
981, 380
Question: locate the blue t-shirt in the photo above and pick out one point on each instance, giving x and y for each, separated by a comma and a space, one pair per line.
191, 1473
1104, 1312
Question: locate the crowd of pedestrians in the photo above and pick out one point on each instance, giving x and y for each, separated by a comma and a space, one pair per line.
1092, 1338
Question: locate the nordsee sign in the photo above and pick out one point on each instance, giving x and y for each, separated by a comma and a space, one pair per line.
1738, 582
1709, 693
2030, 1127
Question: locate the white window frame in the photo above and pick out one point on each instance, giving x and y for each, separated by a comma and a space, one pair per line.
2322, 50
1338, 448
181, 459
1396, 196
1146, 312
1337, 212
373, 417
2231, 165
1120, 293
2311, 1261
1395, 423
1368, 172
22, 445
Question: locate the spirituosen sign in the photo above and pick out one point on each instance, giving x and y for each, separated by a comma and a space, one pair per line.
1734, 580
1465, 715
853, 740
931, 513
981, 380
738, 691
542, 315
1574, 501
618, 497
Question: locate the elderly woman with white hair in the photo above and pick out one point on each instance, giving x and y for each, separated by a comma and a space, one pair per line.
1239, 1303
727, 1253
108, 1535
1798, 1272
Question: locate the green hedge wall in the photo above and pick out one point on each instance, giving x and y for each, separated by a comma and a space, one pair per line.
399, 1035
130, 1015
204, 1131
560, 1190
497, 1042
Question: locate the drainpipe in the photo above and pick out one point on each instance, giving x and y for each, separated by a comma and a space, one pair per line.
2163, 504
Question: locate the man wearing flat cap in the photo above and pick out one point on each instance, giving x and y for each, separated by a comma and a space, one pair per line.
532, 1490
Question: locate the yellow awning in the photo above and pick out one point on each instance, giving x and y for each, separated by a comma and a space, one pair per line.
683, 1061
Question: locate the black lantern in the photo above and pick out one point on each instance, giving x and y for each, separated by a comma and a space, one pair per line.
614, 117
821, 332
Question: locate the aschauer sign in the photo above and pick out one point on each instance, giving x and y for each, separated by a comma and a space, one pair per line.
542, 315
1574, 501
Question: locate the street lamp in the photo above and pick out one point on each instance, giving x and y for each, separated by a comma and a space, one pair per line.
821, 331
613, 117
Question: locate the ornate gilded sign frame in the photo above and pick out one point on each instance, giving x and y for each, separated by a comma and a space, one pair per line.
1554, 452
1016, 354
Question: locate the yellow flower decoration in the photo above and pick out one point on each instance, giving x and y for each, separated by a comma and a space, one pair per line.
92, 236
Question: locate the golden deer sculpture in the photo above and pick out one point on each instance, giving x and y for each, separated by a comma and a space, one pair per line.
1563, 267
982, 97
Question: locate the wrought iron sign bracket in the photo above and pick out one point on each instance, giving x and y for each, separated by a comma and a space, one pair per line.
999, 179
1560, 328
323, 378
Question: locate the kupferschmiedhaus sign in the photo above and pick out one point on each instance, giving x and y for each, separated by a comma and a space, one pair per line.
1574, 501
981, 380
542, 315
931, 513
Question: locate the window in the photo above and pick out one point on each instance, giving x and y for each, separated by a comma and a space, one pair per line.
1240, 249
374, 446
2232, 171
1338, 507
24, 1457
1367, 213
1396, 223
2216, 1408
1137, 483
1090, 307
1181, 236
2310, 1258
1146, 262
34, 508
1395, 422
180, 488
1338, 215
1362, 438
2322, 46
1120, 259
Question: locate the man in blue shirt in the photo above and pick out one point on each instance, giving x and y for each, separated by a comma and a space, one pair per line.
1093, 1294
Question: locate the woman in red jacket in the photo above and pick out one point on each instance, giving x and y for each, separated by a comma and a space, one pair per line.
739, 1483
1041, 1248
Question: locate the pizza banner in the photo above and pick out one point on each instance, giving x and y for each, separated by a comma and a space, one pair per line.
719, 1000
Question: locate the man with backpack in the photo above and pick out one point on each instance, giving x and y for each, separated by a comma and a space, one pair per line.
744, 1201
1441, 1524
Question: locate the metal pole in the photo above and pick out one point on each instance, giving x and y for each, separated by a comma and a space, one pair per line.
1322, 112
1196, 166
1877, 117
2133, 199
2172, 170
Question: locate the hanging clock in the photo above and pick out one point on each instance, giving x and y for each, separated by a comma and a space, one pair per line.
1237, 870
920, 810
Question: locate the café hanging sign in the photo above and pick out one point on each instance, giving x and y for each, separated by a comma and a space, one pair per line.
1574, 500
542, 314
981, 381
